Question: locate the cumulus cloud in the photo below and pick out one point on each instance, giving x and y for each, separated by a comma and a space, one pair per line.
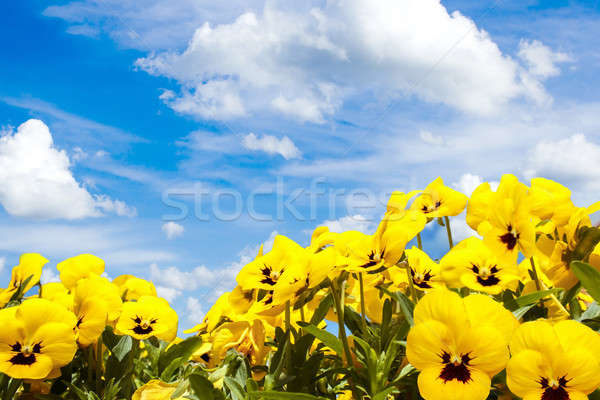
167, 293
272, 145
572, 161
36, 180
172, 229
306, 64
541, 61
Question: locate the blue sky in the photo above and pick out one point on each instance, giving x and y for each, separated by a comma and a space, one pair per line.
262, 102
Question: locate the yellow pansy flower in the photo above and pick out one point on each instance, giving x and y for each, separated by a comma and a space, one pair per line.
549, 200
438, 200
149, 316
57, 293
219, 311
248, 338
96, 302
132, 287
471, 264
30, 266
79, 267
305, 274
399, 201
36, 338
554, 362
509, 226
155, 390
457, 344
478, 207
424, 271
383, 249
264, 271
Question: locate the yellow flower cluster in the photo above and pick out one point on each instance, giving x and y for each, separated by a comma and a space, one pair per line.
524, 240
41, 333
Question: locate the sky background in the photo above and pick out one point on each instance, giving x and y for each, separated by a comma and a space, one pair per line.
172, 137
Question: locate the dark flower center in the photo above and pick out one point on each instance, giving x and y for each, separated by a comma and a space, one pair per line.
143, 327
556, 391
270, 276
25, 356
510, 238
455, 368
486, 278
374, 259
421, 280
428, 209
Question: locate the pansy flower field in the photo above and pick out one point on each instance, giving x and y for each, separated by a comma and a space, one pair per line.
511, 312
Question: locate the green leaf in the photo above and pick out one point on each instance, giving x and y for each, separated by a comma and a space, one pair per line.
329, 339
384, 393
203, 388
593, 311
588, 237
237, 392
273, 395
122, 348
589, 278
181, 350
529, 299
520, 312
406, 305
322, 309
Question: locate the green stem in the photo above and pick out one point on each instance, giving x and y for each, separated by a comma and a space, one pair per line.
302, 317
362, 302
536, 278
341, 329
419, 241
288, 316
90, 369
99, 360
411, 285
447, 223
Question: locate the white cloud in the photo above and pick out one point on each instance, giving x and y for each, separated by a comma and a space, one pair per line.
430, 138
194, 311
210, 100
350, 223
171, 281
118, 244
272, 145
156, 24
240, 144
572, 161
306, 64
168, 293
468, 183
117, 207
540, 59
172, 229
36, 180
49, 274
2, 263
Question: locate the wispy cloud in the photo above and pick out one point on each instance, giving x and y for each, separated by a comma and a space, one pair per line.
63, 120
